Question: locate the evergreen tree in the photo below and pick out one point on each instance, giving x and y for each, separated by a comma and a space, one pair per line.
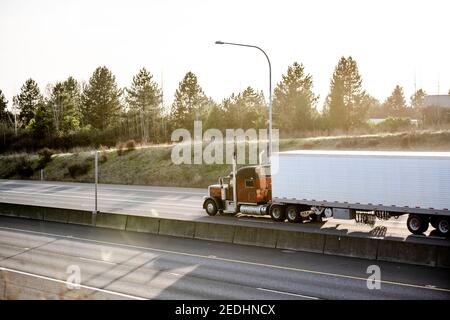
4, 113
346, 95
215, 118
27, 102
294, 101
144, 100
245, 110
417, 99
101, 100
190, 103
395, 104
65, 104
41, 125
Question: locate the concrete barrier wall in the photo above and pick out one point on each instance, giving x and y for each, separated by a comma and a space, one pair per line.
358, 247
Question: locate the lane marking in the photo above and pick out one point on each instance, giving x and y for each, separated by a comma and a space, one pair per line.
336, 275
289, 293
70, 283
94, 260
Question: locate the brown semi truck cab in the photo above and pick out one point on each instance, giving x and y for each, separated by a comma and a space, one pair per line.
252, 194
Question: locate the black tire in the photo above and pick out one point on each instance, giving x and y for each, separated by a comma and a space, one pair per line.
442, 226
277, 212
417, 224
434, 222
210, 207
293, 214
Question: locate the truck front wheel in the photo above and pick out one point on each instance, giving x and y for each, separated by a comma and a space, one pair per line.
277, 212
417, 224
210, 207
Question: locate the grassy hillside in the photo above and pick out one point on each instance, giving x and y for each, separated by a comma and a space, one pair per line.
153, 166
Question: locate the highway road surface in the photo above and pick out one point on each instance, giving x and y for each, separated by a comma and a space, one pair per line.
128, 265
167, 202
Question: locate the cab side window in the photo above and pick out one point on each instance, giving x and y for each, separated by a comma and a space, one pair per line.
249, 183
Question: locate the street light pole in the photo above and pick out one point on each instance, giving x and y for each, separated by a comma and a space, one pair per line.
270, 86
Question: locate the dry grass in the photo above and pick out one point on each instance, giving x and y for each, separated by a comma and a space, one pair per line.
152, 165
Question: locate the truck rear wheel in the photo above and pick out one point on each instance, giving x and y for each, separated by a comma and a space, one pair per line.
417, 224
442, 226
210, 207
293, 214
277, 212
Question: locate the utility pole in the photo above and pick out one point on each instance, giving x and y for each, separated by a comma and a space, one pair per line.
96, 184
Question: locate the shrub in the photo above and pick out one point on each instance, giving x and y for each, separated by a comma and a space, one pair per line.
24, 167
394, 124
131, 145
78, 169
120, 148
103, 155
45, 156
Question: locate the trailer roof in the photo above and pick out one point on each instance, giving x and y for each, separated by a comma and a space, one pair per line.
369, 153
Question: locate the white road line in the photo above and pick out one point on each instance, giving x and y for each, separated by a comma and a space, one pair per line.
288, 293
94, 260
336, 275
70, 283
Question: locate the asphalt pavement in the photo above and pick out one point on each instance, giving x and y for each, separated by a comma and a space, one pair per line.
129, 265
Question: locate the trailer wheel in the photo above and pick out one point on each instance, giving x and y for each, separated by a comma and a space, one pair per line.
434, 222
417, 224
293, 214
277, 212
210, 207
443, 226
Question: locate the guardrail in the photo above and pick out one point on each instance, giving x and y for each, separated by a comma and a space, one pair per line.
436, 255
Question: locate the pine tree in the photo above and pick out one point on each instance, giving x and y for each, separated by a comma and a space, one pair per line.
346, 95
417, 99
395, 104
65, 103
4, 113
101, 100
27, 102
190, 103
294, 101
144, 100
41, 125
245, 110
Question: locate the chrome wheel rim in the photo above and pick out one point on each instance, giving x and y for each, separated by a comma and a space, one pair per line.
276, 213
292, 214
210, 207
414, 223
443, 226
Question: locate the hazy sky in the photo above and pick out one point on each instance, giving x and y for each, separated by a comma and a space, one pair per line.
392, 40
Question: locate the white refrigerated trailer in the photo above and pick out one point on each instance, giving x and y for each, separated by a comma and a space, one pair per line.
339, 183
311, 185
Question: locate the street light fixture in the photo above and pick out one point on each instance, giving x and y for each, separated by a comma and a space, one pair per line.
270, 86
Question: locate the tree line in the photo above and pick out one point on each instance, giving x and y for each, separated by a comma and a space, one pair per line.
99, 112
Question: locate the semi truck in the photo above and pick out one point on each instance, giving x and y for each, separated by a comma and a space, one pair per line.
310, 185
